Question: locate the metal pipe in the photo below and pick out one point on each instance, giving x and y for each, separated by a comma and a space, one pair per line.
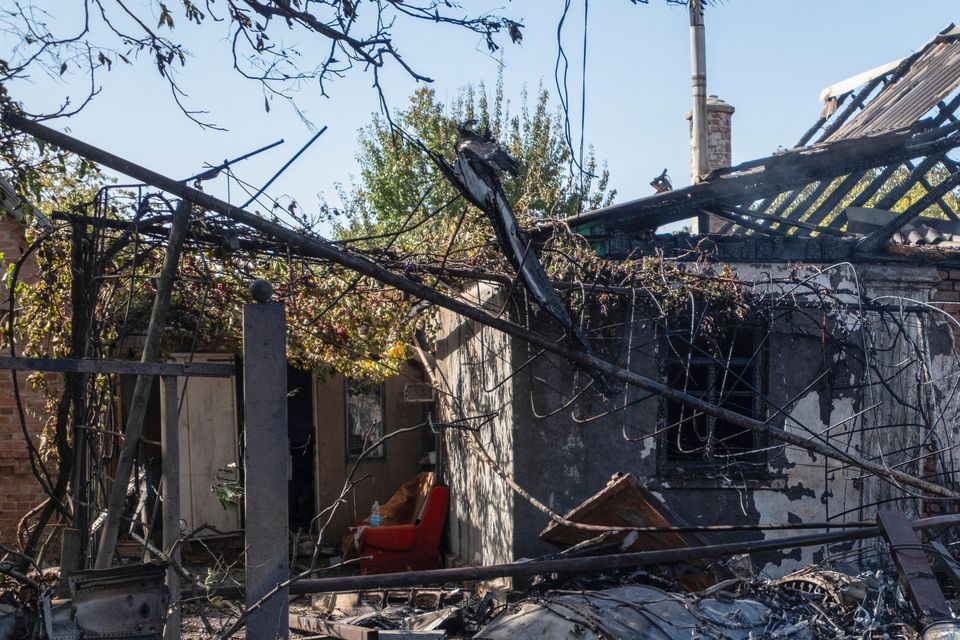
698, 68
284, 167
206, 174
591, 563
699, 159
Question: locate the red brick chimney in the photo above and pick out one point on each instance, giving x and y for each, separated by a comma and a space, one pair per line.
719, 146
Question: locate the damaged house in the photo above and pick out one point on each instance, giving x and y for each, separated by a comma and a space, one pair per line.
792, 367
844, 253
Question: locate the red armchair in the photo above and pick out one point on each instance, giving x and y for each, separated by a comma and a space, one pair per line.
407, 547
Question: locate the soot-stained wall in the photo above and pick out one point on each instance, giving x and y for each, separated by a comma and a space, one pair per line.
561, 446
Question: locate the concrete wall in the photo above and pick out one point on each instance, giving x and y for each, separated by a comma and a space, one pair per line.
562, 450
566, 452
383, 476
19, 490
471, 361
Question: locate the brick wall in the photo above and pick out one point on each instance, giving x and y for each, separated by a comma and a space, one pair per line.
947, 294
719, 144
19, 491
719, 135
947, 297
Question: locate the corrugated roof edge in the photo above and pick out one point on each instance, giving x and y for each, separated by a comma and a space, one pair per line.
18, 208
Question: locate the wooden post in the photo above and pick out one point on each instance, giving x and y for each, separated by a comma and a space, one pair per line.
266, 459
916, 575
170, 490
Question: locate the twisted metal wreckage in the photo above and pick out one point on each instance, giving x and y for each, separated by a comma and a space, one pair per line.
658, 333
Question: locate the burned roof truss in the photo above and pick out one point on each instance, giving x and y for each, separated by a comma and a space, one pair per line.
873, 145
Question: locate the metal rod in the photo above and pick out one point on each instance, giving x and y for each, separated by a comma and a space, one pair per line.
321, 248
213, 171
284, 167
590, 563
141, 392
772, 526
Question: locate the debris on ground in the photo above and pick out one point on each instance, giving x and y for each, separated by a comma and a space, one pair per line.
626, 504
816, 602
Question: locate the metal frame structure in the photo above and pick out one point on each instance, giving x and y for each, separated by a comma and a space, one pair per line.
264, 348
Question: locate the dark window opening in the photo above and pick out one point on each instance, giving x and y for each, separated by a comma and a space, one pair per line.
301, 432
730, 373
365, 418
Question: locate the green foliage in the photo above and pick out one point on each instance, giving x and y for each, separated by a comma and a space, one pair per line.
227, 487
395, 174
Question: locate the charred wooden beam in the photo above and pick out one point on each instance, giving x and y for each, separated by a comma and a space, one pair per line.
857, 103
789, 223
817, 214
916, 574
735, 216
794, 207
775, 174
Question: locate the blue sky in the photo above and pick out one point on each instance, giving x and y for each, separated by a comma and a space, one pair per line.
768, 58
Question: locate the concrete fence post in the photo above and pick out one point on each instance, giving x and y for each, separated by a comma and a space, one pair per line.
266, 456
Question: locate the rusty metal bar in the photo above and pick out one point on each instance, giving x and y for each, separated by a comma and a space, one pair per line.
170, 490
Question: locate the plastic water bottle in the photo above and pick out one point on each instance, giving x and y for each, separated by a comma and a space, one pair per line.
375, 515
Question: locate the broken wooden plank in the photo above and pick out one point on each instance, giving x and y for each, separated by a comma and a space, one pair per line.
624, 502
315, 624
915, 572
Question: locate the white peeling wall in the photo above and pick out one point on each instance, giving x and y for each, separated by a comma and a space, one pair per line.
471, 360
897, 410
562, 458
